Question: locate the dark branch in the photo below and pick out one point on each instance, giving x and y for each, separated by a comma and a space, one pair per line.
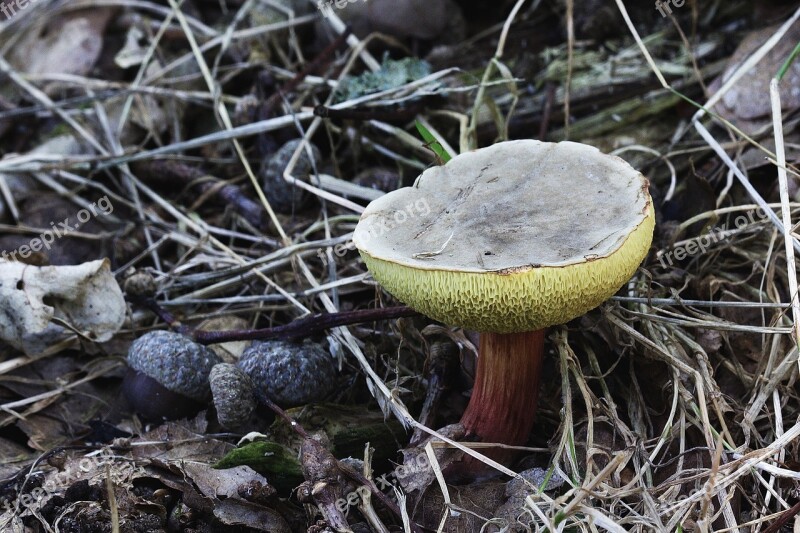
302, 327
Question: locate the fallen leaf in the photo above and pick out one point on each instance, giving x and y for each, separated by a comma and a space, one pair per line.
36, 301
423, 19
216, 483
70, 44
747, 104
240, 513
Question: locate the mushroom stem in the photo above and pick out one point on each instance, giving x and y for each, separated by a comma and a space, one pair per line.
503, 404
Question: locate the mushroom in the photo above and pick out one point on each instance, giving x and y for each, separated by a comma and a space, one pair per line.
519, 236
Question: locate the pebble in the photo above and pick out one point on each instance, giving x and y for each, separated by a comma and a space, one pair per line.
284, 197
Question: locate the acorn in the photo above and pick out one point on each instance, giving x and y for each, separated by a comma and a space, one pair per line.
168, 375
285, 197
289, 373
233, 394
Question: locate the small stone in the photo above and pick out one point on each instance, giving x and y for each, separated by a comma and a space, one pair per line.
139, 283
285, 197
534, 477
355, 464
176, 362
233, 395
289, 373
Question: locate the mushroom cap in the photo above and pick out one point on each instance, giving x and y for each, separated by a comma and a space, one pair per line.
514, 237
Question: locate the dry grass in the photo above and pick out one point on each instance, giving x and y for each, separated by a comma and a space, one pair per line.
674, 414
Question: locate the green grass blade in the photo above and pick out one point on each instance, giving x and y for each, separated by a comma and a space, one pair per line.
432, 143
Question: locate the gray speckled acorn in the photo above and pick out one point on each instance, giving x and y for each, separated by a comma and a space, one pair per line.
284, 196
289, 373
173, 362
233, 395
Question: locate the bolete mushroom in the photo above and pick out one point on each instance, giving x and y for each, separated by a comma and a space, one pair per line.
519, 236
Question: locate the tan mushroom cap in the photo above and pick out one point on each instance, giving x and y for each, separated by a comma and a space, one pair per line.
514, 237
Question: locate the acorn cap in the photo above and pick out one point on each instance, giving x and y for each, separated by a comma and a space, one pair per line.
514, 237
234, 398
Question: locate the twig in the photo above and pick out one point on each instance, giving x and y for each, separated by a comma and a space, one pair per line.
301, 327
384, 114
550, 96
162, 313
305, 326
443, 359
296, 427
787, 515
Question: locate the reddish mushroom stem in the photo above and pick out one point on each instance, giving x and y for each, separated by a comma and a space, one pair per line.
503, 404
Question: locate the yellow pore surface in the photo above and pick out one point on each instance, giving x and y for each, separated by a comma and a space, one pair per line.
520, 301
